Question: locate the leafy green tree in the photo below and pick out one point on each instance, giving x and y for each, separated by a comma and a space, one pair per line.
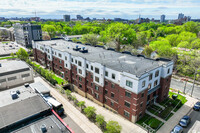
90, 38
22, 54
113, 127
68, 93
89, 112
184, 44
100, 120
192, 27
147, 51
172, 39
81, 104
12, 55
195, 44
50, 29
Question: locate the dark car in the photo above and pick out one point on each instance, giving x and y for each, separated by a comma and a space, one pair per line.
197, 106
177, 129
184, 121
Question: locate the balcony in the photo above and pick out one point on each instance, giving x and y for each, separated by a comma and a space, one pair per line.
153, 89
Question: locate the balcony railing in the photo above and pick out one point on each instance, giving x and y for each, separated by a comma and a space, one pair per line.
153, 89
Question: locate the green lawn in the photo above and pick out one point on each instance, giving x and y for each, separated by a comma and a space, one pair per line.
58, 79
149, 120
3, 58
5, 42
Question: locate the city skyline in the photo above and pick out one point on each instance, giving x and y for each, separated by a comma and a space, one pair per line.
129, 9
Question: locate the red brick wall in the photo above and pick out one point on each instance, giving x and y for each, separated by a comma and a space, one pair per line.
164, 88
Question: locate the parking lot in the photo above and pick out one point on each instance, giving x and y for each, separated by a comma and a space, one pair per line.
194, 126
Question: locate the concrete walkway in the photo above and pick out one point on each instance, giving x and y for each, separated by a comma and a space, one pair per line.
75, 114
184, 110
149, 113
127, 126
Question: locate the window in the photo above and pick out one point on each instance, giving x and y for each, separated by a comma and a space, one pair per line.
105, 100
112, 95
106, 82
106, 91
140, 115
72, 60
150, 76
112, 103
154, 94
127, 104
2, 80
25, 75
48, 50
168, 71
126, 113
155, 83
113, 76
91, 67
60, 61
66, 71
96, 88
142, 95
66, 65
12, 78
96, 70
143, 84
148, 98
96, 79
128, 94
86, 65
61, 67
129, 83
48, 57
59, 55
96, 95
141, 104
106, 73
76, 61
65, 57
80, 79
112, 86
91, 84
87, 82
79, 63
91, 77
80, 71
157, 73
80, 86
149, 86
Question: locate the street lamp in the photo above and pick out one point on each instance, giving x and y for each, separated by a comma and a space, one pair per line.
194, 81
185, 79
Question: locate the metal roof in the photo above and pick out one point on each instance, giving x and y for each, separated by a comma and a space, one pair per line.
111, 59
40, 87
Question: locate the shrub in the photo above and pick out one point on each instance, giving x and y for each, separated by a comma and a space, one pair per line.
81, 104
89, 112
100, 120
113, 127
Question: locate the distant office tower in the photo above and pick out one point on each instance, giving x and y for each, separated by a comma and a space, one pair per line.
66, 18
25, 33
180, 16
188, 18
79, 17
162, 18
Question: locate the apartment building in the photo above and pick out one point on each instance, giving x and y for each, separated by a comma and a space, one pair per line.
124, 83
25, 33
14, 73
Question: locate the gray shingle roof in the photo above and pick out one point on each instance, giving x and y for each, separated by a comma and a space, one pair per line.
111, 59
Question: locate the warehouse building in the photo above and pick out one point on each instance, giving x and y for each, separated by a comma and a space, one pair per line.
14, 73
124, 83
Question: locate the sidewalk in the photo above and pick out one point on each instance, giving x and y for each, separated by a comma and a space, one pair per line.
127, 126
75, 114
173, 121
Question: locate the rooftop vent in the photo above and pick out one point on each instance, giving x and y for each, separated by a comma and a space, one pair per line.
139, 55
70, 40
79, 42
14, 95
77, 48
83, 50
26, 85
88, 44
43, 128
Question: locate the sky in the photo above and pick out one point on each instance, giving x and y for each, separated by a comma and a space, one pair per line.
127, 9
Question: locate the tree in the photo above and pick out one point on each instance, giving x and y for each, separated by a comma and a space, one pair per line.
184, 44
12, 55
195, 44
100, 120
192, 27
89, 112
172, 39
113, 127
68, 93
90, 38
119, 33
50, 29
81, 104
147, 51
22, 54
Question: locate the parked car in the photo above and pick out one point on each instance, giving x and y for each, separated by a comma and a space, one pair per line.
184, 122
177, 129
197, 106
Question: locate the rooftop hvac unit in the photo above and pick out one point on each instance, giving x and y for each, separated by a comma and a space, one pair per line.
26, 85
14, 95
77, 48
43, 128
83, 50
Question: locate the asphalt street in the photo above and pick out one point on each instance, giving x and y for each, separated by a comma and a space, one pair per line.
195, 116
177, 84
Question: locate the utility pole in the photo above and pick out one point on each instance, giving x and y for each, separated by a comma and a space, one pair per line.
185, 85
194, 82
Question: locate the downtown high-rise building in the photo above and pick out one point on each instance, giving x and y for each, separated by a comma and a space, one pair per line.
180, 15
162, 18
66, 18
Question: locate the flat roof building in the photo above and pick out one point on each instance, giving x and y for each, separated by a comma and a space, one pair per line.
14, 73
22, 110
125, 83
